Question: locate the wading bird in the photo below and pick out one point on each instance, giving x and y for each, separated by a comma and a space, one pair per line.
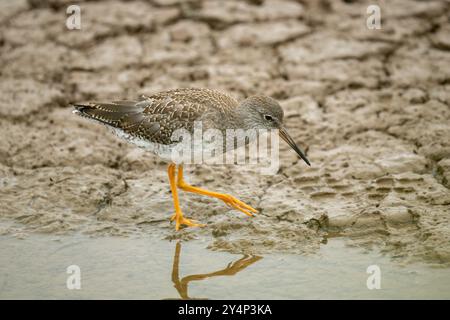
150, 121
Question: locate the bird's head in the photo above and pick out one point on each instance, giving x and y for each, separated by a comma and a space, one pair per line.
263, 112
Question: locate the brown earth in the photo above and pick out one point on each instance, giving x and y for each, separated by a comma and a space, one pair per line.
371, 106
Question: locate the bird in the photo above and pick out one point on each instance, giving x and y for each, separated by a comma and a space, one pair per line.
150, 121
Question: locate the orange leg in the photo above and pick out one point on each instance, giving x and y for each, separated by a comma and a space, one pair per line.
228, 199
178, 216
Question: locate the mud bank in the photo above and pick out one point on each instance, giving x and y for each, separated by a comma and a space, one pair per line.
371, 106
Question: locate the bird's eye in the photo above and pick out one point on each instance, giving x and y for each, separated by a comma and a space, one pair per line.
268, 117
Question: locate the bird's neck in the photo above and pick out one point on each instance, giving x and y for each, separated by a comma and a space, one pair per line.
240, 118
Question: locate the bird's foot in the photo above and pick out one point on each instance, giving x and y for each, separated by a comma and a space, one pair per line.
238, 204
180, 220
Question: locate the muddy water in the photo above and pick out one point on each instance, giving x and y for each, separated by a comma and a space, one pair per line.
146, 268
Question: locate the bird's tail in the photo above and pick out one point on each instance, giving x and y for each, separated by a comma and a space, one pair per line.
111, 113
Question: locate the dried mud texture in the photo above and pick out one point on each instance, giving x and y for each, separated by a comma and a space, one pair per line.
371, 106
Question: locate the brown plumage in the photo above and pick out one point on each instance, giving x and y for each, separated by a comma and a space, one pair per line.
156, 117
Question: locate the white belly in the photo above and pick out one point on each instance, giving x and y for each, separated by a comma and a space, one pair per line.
162, 150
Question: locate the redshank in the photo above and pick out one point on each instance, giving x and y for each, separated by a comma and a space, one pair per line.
150, 122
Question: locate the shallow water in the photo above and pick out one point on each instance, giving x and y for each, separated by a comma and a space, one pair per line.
137, 268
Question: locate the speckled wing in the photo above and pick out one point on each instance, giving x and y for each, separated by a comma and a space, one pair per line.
155, 117
125, 115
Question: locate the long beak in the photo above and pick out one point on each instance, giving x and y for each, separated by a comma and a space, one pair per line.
286, 137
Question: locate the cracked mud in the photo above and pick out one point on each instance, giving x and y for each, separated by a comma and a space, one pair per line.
371, 106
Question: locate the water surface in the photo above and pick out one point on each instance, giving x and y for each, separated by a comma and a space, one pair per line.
146, 268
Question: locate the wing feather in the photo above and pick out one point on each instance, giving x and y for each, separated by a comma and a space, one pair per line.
156, 117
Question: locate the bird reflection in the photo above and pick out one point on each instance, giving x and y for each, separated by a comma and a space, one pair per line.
231, 269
